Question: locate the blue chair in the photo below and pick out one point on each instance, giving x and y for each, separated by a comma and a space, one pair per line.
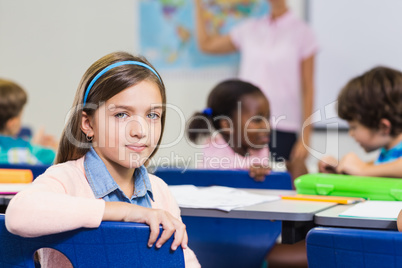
113, 244
224, 242
36, 169
342, 247
229, 178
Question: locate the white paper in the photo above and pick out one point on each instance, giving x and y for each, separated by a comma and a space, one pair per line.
374, 210
12, 188
216, 197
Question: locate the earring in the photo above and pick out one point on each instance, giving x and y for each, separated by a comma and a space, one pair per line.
89, 138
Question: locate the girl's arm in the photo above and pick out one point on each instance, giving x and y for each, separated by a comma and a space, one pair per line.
49, 207
121, 211
45, 208
352, 165
210, 43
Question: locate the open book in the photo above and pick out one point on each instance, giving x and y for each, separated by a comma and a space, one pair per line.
216, 197
387, 210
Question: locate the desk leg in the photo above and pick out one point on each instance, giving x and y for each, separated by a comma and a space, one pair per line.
294, 231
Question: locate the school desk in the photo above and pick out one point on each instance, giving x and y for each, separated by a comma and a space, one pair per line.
329, 217
297, 216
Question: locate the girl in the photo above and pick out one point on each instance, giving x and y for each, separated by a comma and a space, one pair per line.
277, 55
116, 125
237, 129
238, 114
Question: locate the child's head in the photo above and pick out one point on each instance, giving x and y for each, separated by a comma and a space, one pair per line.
236, 109
12, 101
372, 105
119, 109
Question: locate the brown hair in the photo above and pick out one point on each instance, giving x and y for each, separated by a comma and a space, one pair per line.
73, 143
375, 95
12, 100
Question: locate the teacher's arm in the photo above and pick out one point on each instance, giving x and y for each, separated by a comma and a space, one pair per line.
210, 43
307, 76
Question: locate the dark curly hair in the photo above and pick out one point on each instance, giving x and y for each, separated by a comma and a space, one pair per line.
372, 96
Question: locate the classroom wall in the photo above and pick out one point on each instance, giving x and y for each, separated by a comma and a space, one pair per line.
46, 46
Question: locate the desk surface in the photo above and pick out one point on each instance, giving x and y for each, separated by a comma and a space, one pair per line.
329, 217
285, 210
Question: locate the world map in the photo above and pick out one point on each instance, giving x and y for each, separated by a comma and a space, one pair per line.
167, 30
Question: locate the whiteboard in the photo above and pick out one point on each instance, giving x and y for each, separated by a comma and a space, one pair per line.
354, 36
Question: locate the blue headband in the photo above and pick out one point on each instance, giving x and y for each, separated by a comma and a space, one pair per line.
129, 62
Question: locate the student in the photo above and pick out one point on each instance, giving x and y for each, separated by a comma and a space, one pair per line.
371, 104
277, 55
237, 129
14, 150
115, 127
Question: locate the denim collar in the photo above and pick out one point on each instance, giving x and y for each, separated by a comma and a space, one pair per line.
103, 184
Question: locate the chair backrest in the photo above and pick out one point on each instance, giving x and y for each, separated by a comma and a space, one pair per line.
342, 247
225, 242
36, 169
113, 244
229, 178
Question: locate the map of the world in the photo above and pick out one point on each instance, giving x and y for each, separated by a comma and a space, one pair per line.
167, 30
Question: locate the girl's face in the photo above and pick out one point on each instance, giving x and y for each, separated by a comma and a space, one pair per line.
128, 126
368, 139
251, 125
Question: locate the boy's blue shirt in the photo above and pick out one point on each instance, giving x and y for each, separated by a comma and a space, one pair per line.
19, 151
104, 186
389, 155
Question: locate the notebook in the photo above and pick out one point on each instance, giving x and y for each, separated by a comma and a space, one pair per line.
387, 210
12, 188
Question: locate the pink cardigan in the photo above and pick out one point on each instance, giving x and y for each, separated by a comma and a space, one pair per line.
61, 200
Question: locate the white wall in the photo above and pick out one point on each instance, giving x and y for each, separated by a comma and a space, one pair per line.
46, 46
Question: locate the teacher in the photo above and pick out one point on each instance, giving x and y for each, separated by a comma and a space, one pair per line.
276, 54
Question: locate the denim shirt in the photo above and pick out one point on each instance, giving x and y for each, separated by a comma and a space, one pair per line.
105, 187
389, 155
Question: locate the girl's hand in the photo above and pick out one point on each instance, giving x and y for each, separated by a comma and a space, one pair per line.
258, 173
327, 164
120, 211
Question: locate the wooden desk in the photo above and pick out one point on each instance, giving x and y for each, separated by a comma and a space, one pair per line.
329, 217
297, 216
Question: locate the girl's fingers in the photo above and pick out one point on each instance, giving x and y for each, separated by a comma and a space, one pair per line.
184, 243
179, 235
154, 228
168, 230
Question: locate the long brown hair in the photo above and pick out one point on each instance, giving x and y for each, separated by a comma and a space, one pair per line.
73, 143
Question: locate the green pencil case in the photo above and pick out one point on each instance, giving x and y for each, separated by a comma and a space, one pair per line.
373, 188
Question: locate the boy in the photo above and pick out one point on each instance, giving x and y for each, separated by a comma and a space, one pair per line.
15, 150
372, 105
